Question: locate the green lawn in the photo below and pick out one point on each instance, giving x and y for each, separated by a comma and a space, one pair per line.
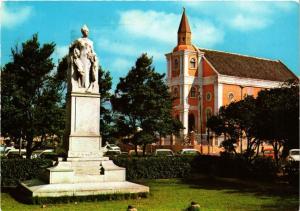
173, 194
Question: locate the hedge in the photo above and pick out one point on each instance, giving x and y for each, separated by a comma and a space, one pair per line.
237, 166
154, 167
13, 170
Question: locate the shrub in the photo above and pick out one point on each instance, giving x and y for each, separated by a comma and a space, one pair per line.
154, 167
14, 170
229, 165
292, 169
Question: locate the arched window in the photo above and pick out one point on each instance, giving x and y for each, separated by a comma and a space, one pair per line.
230, 97
193, 92
176, 64
193, 63
175, 92
191, 122
208, 112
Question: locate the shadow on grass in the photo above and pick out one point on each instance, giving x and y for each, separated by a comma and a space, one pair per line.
288, 196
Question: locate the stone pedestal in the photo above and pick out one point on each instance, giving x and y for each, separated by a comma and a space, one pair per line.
84, 125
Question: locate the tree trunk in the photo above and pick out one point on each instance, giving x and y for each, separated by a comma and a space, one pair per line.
20, 145
275, 147
257, 151
29, 147
144, 149
135, 149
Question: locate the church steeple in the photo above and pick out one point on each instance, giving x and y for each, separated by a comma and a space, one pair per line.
184, 31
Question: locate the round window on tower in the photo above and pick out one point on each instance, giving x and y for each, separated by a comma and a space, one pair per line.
208, 96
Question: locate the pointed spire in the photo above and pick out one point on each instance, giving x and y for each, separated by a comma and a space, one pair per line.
184, 26
184, 31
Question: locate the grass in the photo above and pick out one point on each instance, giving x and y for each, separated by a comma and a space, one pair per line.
175, 195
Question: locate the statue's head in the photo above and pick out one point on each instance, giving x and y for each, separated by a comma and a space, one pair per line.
85, 31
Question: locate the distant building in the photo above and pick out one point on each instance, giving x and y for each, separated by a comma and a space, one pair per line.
204, 80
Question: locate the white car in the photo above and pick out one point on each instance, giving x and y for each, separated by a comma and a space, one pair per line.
163, 152
15, 153
189, 152
294, 155
7, 149
111, 148
38, 153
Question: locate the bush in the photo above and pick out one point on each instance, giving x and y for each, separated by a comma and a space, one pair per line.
237, 166
154, 167
292, 169
14, 170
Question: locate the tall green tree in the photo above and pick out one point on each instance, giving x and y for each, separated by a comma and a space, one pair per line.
272, 117
107, 120
144, 104
278, 117
31, 94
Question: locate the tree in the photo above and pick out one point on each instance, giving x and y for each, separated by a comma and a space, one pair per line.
144, 104
107, 120
271, 117
277, 117
222, 123
31, 95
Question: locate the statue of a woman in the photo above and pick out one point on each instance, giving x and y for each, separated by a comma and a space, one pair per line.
84, 62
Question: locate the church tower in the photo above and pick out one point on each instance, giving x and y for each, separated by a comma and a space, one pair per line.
184, 69
184, 31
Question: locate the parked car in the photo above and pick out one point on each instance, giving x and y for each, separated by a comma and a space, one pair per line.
192, 152
113, 153
39, 153
14, 153
49, 155
294, 155
163, 152
268, 152
7, 149
111, 147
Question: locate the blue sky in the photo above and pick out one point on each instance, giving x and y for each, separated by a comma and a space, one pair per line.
122, 30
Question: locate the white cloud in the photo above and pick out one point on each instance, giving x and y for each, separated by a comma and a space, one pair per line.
163, 27
159, 26
116, 47
12, 17
246, 23
242, 15
206, 34
129, 48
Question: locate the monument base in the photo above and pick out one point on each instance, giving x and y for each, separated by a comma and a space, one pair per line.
89, 178
37, 191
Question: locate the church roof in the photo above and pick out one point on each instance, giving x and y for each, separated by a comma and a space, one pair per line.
248, 67
184, 24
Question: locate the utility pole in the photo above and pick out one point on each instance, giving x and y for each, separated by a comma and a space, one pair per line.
200, 116
208, 141
241, 128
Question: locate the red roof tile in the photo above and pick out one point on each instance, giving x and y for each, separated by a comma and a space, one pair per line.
248, 67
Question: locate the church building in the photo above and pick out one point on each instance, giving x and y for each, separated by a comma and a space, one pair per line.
203, 80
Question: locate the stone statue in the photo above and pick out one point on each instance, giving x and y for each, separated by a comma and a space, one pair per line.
83, 64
